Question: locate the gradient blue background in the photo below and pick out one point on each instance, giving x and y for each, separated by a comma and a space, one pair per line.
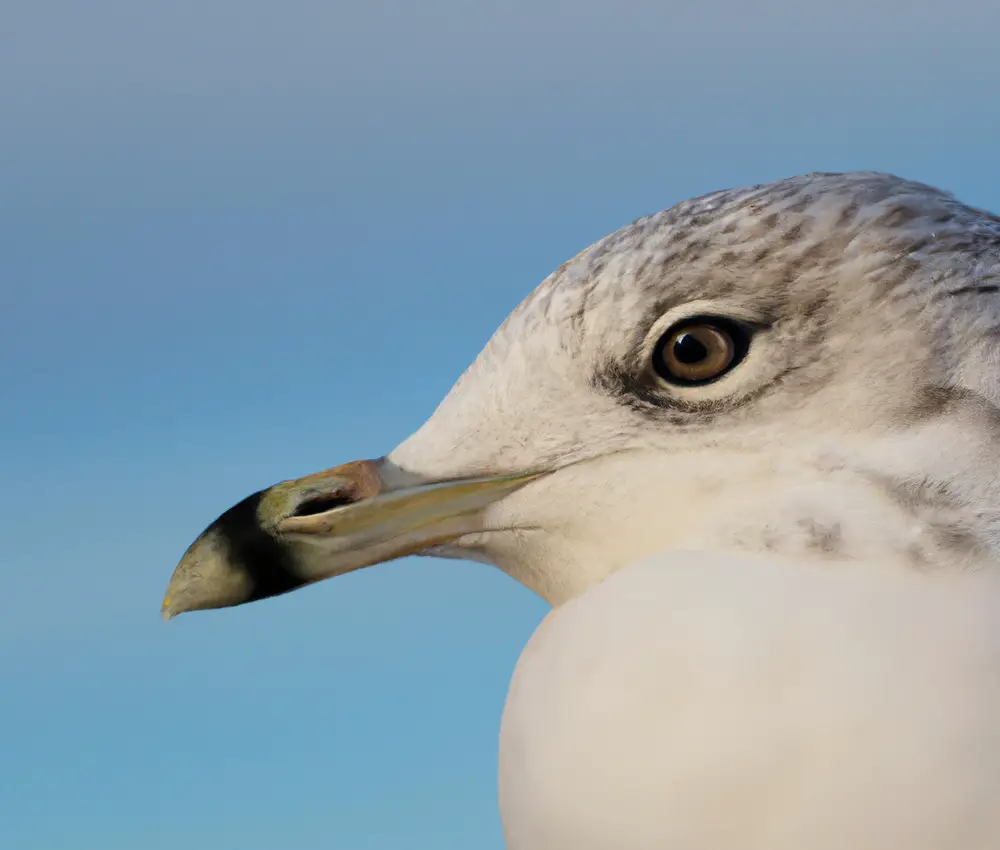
243, 241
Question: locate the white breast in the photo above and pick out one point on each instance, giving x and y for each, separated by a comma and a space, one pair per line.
708, 702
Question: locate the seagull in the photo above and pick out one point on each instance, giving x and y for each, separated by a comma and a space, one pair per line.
747, 449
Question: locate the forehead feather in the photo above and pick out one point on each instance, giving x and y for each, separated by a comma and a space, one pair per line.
788, 245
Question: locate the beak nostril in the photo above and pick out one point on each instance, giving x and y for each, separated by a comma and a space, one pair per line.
323, 492
321, 504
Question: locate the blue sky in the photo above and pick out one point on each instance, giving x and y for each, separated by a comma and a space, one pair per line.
240, 242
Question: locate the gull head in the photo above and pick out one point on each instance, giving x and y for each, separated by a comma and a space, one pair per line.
808, 367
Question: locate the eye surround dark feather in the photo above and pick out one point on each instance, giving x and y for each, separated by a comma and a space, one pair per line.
699, 350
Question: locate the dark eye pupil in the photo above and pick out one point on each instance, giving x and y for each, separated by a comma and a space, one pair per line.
689, 349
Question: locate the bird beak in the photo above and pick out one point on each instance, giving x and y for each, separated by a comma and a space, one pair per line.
325, 525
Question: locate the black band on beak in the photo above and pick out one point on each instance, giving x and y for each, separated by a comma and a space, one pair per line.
267, 563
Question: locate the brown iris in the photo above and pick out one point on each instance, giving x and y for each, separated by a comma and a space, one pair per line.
697, 351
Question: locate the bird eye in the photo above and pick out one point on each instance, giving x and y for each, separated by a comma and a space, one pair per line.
700, 350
